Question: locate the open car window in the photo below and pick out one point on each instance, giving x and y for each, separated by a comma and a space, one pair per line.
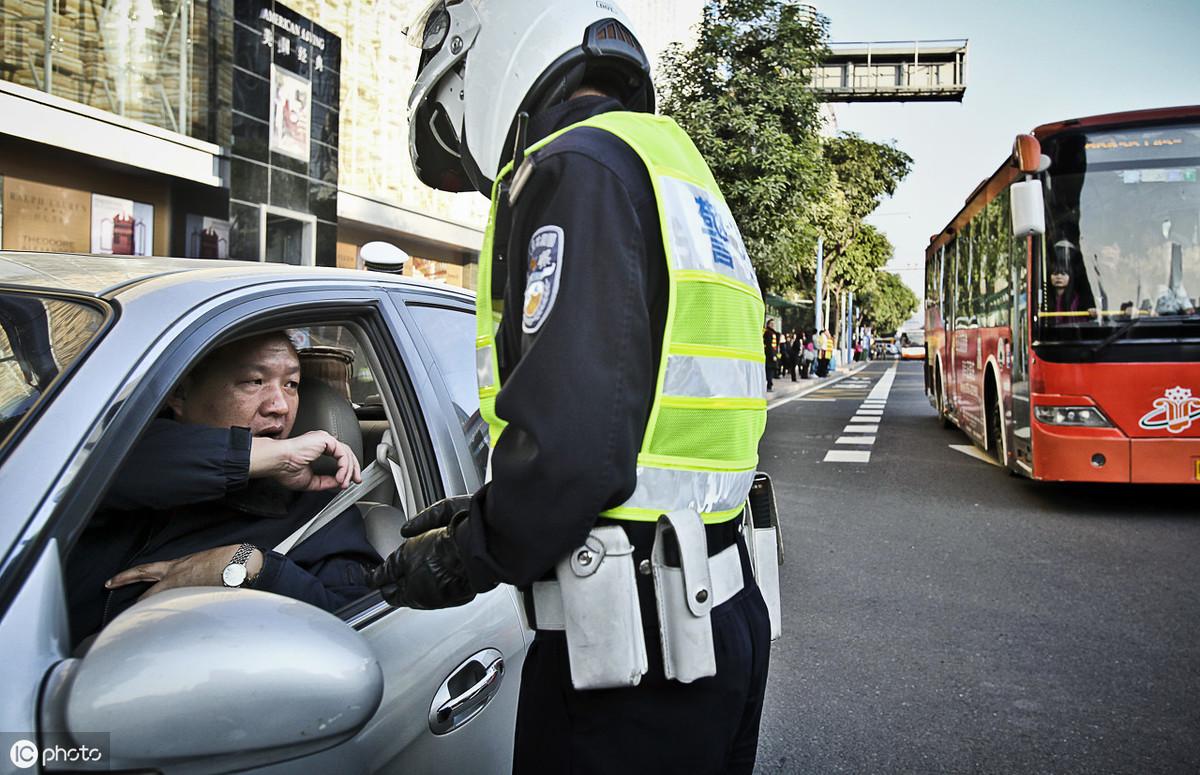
170, 502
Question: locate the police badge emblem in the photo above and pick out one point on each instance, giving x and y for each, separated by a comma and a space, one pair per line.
542, 277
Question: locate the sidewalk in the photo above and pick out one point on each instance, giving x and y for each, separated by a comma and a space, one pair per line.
787, 391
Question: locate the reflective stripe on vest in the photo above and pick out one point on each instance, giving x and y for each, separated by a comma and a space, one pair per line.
700, 447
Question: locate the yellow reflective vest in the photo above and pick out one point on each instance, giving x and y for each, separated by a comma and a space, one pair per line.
700, 447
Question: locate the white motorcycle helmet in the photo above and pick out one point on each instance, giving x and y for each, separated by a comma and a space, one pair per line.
483, 62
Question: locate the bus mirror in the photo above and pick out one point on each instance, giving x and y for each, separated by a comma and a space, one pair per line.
1028, 210
1027, 154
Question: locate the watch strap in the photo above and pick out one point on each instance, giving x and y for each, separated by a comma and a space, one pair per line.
242, 554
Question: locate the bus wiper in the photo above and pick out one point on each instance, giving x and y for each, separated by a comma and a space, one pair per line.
1123, 329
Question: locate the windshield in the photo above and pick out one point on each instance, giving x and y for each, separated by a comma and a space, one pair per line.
1123, 233
39, 338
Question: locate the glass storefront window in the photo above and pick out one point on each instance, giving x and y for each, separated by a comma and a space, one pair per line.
146, 60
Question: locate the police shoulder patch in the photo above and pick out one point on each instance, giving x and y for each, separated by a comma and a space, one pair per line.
543, 274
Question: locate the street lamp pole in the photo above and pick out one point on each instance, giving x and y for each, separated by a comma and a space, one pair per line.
820, 271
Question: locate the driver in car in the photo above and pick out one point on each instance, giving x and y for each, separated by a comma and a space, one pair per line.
216, 485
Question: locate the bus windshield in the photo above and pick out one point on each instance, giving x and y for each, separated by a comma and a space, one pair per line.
1122, 234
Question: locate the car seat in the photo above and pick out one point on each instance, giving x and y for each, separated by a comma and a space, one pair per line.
323, 407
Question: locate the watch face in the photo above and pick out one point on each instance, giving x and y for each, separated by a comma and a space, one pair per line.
233, 575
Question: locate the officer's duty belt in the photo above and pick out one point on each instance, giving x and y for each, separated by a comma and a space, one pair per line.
725, 570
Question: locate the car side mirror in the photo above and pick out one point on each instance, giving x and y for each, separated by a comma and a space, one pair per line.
213, 680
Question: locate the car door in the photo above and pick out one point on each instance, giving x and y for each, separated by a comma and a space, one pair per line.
449, 677
453, 676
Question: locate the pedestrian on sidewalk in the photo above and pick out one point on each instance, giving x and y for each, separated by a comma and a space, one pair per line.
808, 357
791, 354
770, 348
824, 353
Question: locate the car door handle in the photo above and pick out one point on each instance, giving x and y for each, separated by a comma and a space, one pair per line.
467, 691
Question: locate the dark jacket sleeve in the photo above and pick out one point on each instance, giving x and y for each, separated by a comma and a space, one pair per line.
577, 402
328, 569
174, 464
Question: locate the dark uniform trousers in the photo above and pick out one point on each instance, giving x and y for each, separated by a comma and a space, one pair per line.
659, 726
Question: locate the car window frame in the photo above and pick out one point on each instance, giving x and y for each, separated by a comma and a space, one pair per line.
402, 299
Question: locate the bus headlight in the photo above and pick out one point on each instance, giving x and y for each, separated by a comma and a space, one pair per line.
1084, 416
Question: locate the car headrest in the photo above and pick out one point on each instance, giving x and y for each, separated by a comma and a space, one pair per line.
324, 408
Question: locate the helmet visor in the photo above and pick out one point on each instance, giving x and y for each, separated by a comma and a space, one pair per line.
416, 33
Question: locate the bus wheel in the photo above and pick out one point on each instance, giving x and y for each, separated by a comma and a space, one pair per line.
995, 445
943, 415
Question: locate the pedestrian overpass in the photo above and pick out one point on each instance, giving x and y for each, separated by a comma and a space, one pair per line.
893, 71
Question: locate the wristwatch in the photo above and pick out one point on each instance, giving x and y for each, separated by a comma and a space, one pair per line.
235, 572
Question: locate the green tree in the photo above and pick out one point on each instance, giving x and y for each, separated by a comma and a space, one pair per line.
887, 304
865, 173
742, 93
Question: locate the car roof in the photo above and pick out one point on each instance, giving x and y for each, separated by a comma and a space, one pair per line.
107, 276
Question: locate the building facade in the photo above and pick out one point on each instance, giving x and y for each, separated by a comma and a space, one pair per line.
253, 129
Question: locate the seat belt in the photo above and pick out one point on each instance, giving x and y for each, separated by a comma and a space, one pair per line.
372, 476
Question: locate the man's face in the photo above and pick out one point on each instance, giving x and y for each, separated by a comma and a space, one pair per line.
252, 384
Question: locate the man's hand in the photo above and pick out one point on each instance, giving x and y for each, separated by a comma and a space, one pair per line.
202, 569
288, 461
426, 571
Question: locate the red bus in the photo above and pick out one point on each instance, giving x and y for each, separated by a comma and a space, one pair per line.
1060, 332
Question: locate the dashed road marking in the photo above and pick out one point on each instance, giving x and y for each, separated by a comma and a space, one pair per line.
865, 424
847, 456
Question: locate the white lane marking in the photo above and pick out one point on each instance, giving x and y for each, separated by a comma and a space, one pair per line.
878, 395
879, 404
847, 456
970, 450
884, 385
805, 391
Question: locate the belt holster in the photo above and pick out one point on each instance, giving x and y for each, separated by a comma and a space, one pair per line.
765, 545
595, 597
684, 596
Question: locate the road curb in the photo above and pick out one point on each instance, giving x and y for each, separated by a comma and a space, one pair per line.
823, 383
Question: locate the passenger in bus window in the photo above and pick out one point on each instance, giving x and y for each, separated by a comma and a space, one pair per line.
1067, 294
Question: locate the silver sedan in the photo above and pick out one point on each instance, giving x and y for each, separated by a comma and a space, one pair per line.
216, 680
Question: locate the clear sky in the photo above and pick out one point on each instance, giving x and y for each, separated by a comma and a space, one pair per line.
1029, 63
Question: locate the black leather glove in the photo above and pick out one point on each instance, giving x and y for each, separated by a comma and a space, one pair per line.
427, 570
437, 515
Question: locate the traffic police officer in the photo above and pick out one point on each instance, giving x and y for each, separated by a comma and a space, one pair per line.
622, 378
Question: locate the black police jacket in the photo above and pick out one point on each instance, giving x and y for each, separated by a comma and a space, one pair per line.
577, 392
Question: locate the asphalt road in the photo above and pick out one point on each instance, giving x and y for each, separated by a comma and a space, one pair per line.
943, 616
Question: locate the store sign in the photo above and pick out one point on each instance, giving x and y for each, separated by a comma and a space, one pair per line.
121, 227
45, 218
291, 113
207, 237
289, 39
